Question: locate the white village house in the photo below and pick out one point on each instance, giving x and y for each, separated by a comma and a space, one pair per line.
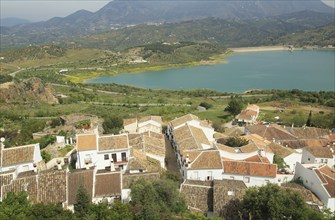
320, 179
104, 152
21, 158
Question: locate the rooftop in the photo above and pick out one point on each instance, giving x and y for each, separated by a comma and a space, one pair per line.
189, 137
327, 175
250, 168
321, 152
86, 142
16, 155
108, 184
182, 120
113, 142
207, 160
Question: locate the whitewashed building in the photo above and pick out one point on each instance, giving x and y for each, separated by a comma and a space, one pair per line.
319, 155
21, 158
104, 152
145, 124
320, 179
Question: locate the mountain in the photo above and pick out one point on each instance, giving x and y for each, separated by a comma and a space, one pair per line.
137, 12
12, 21
121, 13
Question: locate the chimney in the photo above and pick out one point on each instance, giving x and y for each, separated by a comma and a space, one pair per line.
34, 167
112, 165
59, 164
86, 165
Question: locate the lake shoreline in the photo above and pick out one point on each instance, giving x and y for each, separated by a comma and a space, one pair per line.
275, 48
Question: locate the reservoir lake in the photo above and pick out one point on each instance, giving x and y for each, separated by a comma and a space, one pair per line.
309, 70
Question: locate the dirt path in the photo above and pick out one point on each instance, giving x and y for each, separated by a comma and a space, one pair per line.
171, 158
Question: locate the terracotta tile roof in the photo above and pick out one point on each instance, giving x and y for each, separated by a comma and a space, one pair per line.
257, 159
5, 179
16, 155
149, 142
207, 160
233, 132
247, 114
77, 178
129, 121
226, 148
157, 119
280, 150
189, 137
140, 161
86, 142
198, 194
250, 168
153, 134
257, 139
154, 145
108, 184
52, 186
28, 184
113, 142
127, 179
182, 120
297, 144
271, 131
327, 175
221, 191
320, 152
309, 132
192, 154
252, 147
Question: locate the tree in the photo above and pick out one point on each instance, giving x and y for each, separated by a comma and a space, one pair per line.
156, 200
279, 161
235, 105
15, 206
120, 211
309, 120
236, 142
83, 203
112, 124
272, 202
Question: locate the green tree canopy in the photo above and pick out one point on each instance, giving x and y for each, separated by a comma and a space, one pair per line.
235, 105
273, 202
112, 125
236, 142
83, 203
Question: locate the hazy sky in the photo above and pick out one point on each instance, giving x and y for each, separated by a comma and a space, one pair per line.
44, 9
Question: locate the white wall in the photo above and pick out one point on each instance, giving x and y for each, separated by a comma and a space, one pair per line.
131, 128
317, 160
312, 182
237, 156
253, 180
203, 174
159, 158
292, 159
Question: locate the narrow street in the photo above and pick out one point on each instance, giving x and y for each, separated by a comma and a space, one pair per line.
171, 158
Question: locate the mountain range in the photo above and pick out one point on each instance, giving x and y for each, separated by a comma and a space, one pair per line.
121, 13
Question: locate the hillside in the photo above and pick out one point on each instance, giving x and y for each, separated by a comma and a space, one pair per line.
121, 13
241, 33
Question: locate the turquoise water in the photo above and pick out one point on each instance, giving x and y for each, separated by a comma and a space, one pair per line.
305, 70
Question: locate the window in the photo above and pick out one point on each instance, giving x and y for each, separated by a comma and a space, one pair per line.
326, 160
209, 175
106, 156
232, 177
246, 179
123, 156
114, 157
121, 167
321, 160
231, 193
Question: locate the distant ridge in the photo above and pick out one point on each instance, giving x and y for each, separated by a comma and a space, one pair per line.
12, 21
121, 13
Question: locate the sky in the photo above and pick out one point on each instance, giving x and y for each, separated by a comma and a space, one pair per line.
41, 10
